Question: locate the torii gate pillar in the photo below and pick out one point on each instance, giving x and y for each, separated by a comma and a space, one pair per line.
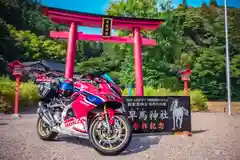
138, 62
71, 51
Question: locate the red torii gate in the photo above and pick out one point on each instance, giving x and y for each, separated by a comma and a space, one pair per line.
73, 19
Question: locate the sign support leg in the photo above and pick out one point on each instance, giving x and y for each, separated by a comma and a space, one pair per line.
184, 133
138, 62
71, 51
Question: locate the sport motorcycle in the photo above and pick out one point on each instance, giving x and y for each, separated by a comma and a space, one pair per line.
89, 108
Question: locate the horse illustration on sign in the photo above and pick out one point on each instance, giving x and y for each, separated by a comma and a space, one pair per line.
178, 112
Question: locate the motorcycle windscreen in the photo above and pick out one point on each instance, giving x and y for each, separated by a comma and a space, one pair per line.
107, 77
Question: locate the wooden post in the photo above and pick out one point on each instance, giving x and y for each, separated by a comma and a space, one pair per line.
16, 97
186, 88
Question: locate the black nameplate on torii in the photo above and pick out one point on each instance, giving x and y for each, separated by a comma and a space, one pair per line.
159, 114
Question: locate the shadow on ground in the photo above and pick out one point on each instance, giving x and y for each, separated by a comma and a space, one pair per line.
199, 131
139, 143
73, 140
3, 124
27, 111
142, 142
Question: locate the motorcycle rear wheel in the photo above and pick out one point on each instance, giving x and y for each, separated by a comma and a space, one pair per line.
104, 150
43, 131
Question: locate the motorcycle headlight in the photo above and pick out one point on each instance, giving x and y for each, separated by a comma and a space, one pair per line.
110, 97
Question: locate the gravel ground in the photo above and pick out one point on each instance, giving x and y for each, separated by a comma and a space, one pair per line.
215, 136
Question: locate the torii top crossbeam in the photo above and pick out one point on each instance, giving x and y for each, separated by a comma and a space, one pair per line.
73, 19
95, 20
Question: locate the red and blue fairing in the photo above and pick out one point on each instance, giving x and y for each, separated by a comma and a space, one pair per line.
94, 94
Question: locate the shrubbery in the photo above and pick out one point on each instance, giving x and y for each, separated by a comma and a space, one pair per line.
198, 99
27, 94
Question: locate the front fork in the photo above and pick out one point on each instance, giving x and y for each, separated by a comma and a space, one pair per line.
108, 114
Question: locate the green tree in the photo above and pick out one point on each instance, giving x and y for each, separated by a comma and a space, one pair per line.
184, 3
213, 3
33, 48
209, 73
26, 15
236, 66
131, 8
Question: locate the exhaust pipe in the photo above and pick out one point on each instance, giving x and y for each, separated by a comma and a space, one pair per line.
45, 114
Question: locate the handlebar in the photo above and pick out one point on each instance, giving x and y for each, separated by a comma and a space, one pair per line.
90, 78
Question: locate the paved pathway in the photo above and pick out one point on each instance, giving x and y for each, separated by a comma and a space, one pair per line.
215, 136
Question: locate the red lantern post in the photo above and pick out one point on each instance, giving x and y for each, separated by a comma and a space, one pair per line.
185, 77
17, 71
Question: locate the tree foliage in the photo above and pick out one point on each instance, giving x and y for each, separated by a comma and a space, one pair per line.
25, 35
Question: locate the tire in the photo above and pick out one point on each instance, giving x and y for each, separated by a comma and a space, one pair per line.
40, 130
121, 147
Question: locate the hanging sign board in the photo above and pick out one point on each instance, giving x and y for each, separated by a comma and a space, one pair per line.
106, 27
17, 68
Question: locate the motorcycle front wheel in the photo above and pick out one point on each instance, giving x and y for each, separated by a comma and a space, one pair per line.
111, 142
